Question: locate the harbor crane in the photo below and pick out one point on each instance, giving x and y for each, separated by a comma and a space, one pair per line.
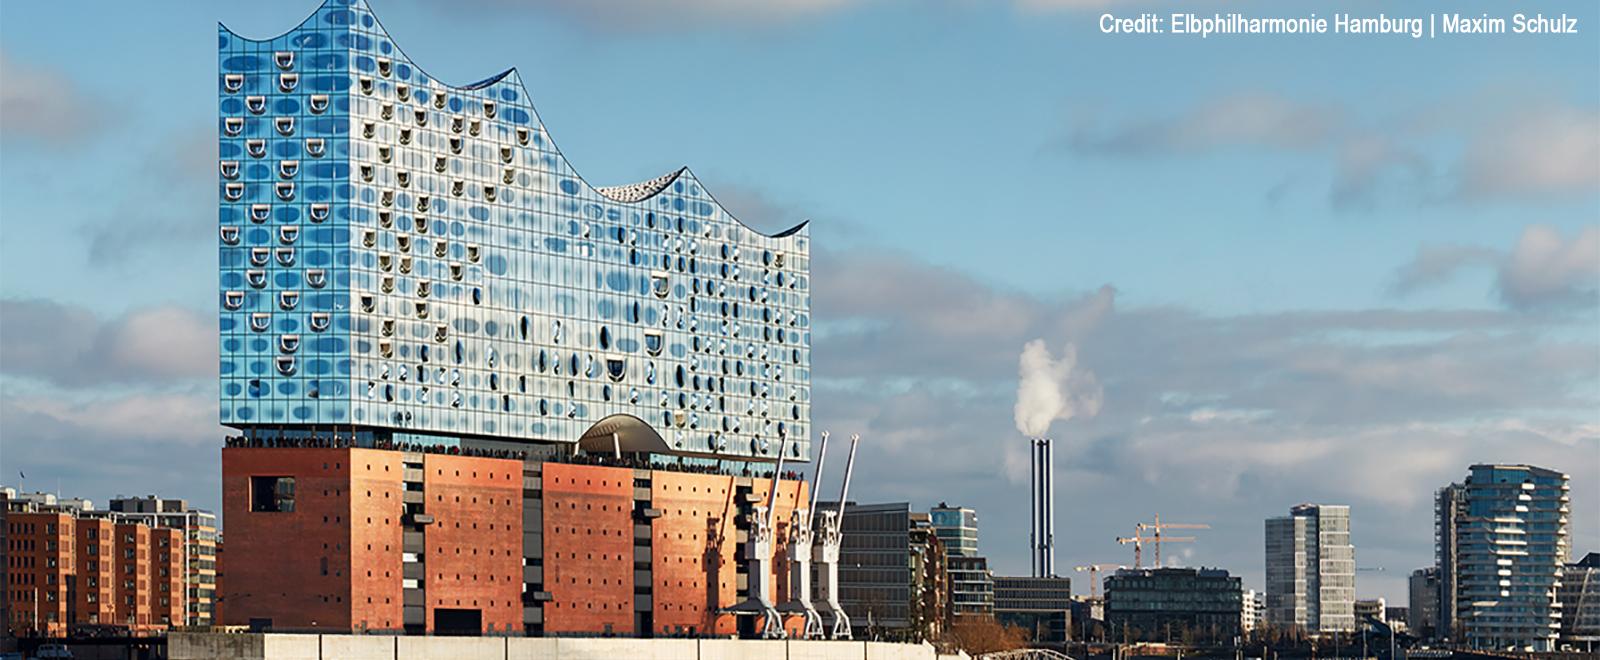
836, 624
799, 545
758, 556
1156, 528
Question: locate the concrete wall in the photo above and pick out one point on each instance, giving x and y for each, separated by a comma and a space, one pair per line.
205, 646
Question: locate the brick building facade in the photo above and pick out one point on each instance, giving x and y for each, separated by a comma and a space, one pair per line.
401, 541
70, 569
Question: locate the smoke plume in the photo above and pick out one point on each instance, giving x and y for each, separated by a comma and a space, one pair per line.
1049, 388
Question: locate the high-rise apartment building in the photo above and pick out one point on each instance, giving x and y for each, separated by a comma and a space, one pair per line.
1311, 569
1503, 544
1449, 507
475, 392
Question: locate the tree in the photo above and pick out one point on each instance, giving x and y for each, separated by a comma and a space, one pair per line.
978, 635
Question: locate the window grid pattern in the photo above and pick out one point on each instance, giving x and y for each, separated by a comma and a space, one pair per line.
441, 268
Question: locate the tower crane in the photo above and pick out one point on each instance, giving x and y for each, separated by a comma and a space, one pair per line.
1139, 541
1156, 528
1094, 576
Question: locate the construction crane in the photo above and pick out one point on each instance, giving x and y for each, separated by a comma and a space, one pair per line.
1139, 541
1157, 526
1094, 576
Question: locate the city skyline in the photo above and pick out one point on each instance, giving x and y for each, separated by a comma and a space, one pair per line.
1441, 345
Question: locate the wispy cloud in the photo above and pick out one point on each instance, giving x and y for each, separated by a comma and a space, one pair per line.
41, 104
1539, 150
1544, 270
1533, 151
69, 346
1240, 120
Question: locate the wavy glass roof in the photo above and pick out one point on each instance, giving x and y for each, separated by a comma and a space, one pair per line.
408, 256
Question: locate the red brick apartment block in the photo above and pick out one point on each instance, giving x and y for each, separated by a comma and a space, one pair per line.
64, 570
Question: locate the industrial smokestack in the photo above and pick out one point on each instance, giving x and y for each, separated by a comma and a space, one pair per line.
1042, 535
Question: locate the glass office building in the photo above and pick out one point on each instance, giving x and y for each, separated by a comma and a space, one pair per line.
402, 258
1311, 569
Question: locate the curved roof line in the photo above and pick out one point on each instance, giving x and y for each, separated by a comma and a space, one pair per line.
628, 193
224, 27
640, 191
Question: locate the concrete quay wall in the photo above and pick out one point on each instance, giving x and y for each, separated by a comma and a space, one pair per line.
278, 646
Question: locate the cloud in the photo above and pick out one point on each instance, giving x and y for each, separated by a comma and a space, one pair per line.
1541, 150
68, 346
1239, 120
1375, 169
1533, 151
171, 204
1544, 270
1436, 264
1222, 419
41, 104
140, 443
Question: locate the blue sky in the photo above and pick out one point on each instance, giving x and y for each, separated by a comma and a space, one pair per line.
1337, 268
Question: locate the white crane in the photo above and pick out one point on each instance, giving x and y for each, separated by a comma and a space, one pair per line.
799, 545
758, 553
829, 530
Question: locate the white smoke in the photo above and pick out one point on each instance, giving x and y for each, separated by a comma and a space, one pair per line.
1049, 389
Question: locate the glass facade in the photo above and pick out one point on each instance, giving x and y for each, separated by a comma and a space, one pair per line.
402, 255
1173, 605
1511, 540
1311, 569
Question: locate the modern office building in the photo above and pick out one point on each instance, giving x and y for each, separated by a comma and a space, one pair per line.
1040, 605
876, 580
1506, 544
1423, 613
72, 571
971, 582
1580, 604
199, 529
971, 586
1176, 605
1311, 570
957, 527
432, 330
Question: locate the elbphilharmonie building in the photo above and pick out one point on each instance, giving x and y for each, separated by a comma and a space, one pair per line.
406, 259
474, 393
